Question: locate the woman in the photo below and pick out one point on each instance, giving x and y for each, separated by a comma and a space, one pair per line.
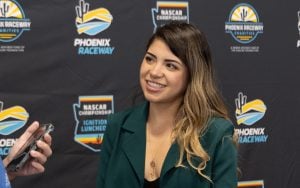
33, 166
181, 136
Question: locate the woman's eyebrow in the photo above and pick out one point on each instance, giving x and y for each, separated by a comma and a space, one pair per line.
151, 54
167, 60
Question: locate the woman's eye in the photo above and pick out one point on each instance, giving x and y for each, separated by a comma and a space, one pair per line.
171, 66
148, 59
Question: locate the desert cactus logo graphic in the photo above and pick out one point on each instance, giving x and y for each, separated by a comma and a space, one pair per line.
243, 15
248, 113
12, 119
4, 9
12, 21
91, 22
243, 23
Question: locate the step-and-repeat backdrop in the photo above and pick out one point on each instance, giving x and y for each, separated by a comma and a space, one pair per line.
73, 62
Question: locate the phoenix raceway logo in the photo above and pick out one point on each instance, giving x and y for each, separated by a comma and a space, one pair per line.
91, 23
91, 120
243, 23
11, 120
251, 184
167, 11
12, 21
298, 42
248, 113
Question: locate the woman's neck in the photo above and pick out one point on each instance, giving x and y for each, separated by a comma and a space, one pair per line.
161, 117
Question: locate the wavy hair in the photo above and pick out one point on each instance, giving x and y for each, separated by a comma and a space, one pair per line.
202, 100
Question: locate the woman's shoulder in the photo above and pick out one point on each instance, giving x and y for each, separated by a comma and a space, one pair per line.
122, 116
217, 128
117, 120
220, 124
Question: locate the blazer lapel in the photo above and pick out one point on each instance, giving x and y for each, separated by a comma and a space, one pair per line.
171, 159
134, 140
134, 143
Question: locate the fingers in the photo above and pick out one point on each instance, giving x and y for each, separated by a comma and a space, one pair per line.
39, 168
38, 157
45, 147
44, 150
29, 131
21, 141
48, 139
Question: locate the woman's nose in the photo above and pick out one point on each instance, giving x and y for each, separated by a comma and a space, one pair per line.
156, 70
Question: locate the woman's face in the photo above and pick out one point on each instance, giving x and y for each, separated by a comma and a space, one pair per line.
163, 77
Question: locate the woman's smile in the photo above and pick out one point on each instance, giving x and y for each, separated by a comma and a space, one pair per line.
154, 86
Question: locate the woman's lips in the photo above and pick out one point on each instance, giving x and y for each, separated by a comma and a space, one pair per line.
154, 86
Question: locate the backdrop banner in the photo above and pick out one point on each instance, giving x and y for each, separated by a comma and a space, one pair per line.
72, 63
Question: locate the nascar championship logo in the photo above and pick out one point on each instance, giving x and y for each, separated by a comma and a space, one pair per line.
91, 120
12, 21
167, 11
243, 23
248, 113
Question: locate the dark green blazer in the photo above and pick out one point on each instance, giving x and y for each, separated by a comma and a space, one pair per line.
122, 156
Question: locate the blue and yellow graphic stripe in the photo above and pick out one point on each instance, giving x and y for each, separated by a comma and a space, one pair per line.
19, 117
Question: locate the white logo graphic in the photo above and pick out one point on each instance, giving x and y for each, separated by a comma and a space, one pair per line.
298, 43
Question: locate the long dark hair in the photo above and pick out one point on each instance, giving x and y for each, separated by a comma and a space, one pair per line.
202, 100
